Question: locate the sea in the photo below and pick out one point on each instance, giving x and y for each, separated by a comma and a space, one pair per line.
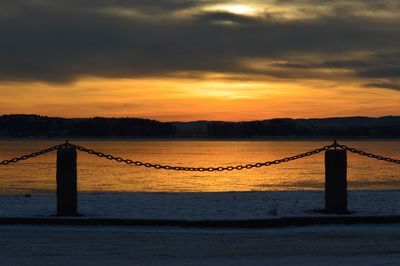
38, 175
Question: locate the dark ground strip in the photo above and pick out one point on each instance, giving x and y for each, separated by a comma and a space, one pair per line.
264, 223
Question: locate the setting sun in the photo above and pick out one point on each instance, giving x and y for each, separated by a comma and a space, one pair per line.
240, 9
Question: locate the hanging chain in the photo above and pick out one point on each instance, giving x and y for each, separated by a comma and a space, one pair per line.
335, 145
32, 155
199, 169
369, 155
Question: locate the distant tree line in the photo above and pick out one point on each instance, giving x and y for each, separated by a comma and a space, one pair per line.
43, 126
293, 128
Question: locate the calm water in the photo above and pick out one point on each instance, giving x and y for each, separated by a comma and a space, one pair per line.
37, 175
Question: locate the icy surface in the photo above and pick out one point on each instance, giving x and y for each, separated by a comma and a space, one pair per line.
201, 206
111, 245
120, 245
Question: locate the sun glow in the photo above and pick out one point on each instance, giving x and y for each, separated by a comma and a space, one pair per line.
235, 9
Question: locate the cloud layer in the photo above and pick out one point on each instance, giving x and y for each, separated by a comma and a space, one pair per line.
61, 41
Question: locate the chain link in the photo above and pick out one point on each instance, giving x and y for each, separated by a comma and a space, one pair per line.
32, 155
369, 155
200, 169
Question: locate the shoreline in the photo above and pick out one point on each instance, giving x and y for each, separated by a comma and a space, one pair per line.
280, 138
51, 192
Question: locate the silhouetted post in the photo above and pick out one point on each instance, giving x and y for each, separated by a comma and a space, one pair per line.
336, 181
67, 195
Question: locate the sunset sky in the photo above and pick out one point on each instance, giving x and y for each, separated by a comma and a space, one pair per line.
200, 59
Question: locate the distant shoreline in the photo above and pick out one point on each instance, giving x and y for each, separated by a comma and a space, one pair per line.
34, 126
280, 138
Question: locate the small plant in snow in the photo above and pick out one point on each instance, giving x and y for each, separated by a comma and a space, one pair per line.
273, 211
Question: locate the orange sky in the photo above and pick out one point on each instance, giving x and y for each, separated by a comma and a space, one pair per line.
200, 60
171, 99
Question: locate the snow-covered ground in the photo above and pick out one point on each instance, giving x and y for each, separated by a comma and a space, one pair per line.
90, 245
119, 245
201, 206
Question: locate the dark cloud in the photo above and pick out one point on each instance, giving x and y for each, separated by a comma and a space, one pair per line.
384, 85
382, 65
382, 72
150, 6
227, 17
372, 66
367, 4
348, 63
59, 41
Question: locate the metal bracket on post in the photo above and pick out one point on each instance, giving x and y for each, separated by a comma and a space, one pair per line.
336, 180
335, 144
67, 189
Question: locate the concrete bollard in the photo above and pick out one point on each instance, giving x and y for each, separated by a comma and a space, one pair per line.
67, 194
336, 181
